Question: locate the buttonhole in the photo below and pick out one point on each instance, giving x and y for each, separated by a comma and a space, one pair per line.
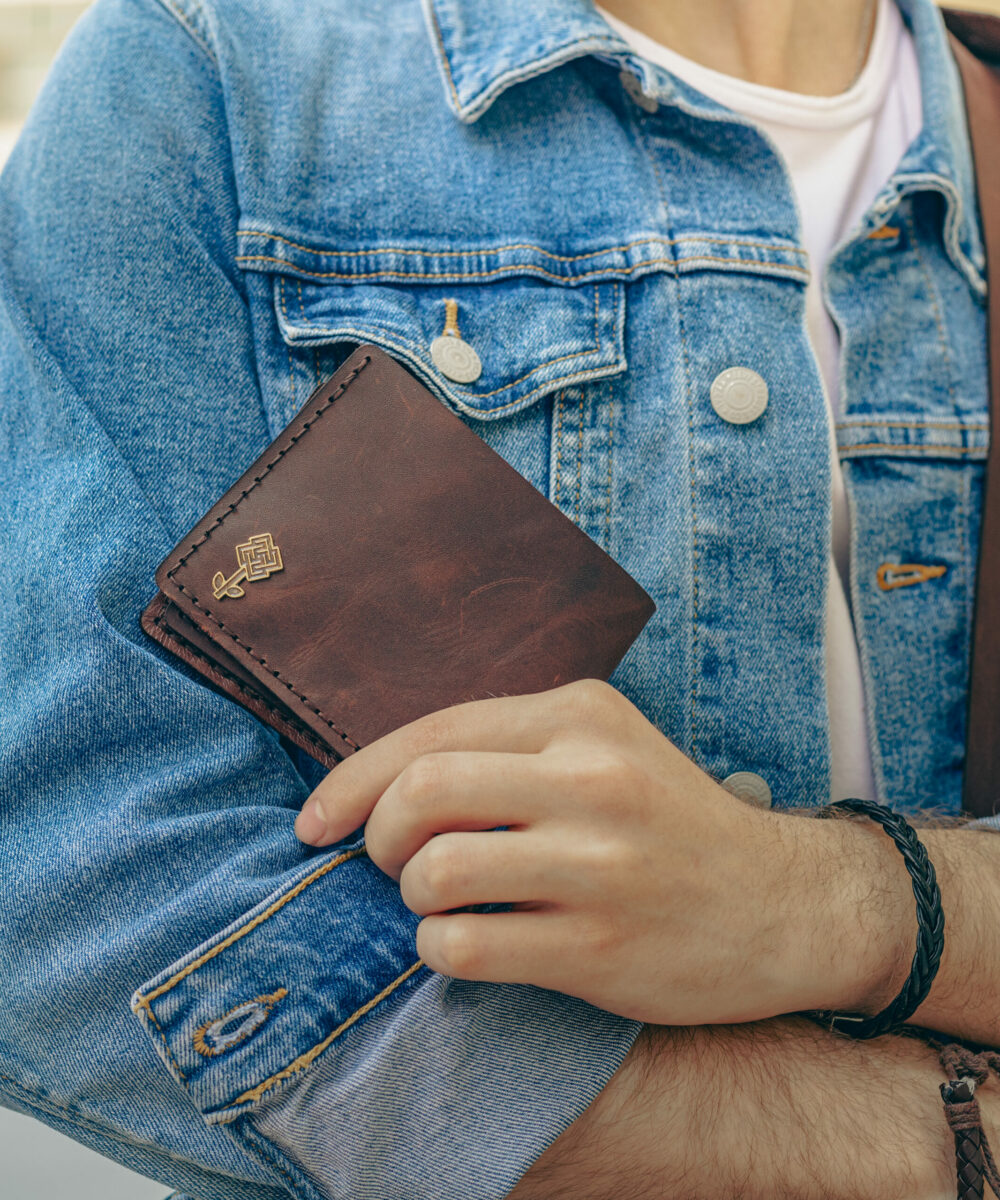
222, 1034
900, 575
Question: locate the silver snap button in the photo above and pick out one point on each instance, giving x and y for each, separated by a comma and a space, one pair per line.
630, 82
739, 395
454, 357
749, 788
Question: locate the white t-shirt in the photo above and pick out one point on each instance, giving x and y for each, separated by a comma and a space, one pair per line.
839, 151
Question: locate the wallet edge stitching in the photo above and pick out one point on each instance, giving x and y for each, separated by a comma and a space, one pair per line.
339, 391
169, 634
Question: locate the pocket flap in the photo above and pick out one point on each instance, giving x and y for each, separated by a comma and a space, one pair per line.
529, 337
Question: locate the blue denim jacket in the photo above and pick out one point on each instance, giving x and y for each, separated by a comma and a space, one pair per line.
212, 203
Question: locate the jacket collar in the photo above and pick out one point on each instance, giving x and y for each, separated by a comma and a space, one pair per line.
941, 155
486, 46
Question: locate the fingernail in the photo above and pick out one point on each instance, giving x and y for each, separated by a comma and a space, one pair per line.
309, 824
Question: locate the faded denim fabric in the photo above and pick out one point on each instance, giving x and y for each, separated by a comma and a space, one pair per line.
213, 202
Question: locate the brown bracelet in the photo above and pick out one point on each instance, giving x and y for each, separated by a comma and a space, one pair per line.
966, 1070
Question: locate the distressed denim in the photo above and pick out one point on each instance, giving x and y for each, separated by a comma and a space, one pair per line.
212, 203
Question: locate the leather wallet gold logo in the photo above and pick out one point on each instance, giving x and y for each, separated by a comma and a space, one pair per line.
258, 558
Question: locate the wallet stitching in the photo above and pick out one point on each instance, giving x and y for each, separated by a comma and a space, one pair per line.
339, 391
288, 718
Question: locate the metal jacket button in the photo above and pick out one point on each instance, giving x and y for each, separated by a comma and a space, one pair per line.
630, 82
749, 788
739, 395
454, 357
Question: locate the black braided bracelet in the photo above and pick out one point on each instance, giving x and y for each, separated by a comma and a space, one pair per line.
930, 932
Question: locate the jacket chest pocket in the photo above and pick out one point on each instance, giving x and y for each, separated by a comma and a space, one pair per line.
520, 360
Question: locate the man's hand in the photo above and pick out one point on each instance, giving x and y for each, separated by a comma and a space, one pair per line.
638, 883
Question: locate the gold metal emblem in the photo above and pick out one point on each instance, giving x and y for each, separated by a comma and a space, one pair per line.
258, 558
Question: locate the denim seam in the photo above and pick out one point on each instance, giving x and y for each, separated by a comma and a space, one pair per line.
966, 566
306, 425
596, 349
560, 397
397, 341
35, 1100
902, 449
288, 350
690, 237
607, 509
685, 358
953, 220
268, 1156
183, 19
910, 223
166, 1045
305, 1060
145, 1001
451, 276
403, 343
877, 423
579, 457
444, 54
545, 61
282, 715
695, 580
293, 392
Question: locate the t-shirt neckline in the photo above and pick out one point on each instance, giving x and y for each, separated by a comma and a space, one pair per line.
755, 100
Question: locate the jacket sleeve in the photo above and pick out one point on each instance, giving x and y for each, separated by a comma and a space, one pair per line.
187, 988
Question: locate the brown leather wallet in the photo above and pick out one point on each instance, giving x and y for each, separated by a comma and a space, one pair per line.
378, 562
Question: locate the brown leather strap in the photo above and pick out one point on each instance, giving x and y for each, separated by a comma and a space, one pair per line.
965, 1121
981, 794
967, 1070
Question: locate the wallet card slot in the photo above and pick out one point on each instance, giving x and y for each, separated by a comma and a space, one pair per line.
168, 625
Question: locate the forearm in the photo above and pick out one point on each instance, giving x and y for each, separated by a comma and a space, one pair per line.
870, 928
771, 1110
965, 998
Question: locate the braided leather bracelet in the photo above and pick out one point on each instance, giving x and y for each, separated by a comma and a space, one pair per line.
930, 931
967, 1067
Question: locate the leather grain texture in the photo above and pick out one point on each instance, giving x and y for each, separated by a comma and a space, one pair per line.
417, 570
975, 43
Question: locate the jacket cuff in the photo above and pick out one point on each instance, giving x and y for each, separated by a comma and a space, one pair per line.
252, 1008
311, 1029
449, 1093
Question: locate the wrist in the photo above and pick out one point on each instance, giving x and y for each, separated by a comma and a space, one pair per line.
852, 933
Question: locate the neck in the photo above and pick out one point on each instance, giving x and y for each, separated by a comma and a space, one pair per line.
816, 47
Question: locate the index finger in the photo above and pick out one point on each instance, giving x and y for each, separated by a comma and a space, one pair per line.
505, 724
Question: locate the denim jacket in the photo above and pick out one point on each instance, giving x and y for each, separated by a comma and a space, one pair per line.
212, 203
